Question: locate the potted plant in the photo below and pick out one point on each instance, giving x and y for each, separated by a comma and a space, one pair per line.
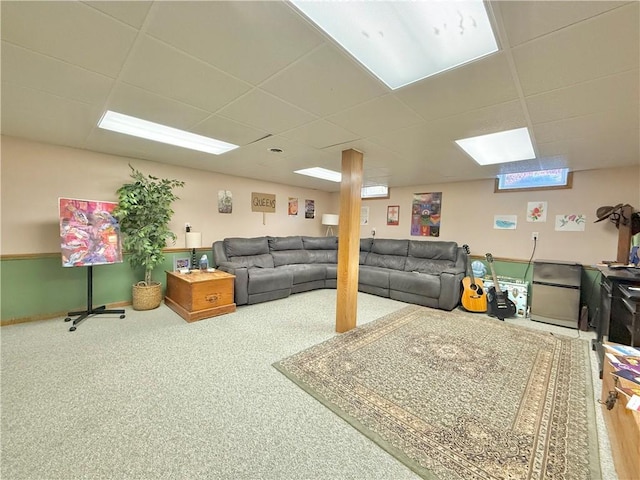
144, 211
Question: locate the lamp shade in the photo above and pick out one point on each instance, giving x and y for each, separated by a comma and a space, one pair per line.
193, 239
330, 219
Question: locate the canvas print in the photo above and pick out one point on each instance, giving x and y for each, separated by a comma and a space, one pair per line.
225, 201
537, 212
293, 206
505, 222
573, 222
309, 209
364, 215
89, 234
393, 215
425, 214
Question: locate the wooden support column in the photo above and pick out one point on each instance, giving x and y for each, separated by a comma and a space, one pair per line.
349, 241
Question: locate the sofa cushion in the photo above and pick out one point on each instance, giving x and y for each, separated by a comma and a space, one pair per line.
323, 256
240, 247
388, 246
365, 244
263, 280
425, 265
289, 257
374, 276
415, 283
434, 250
320, 243
305, 273
260, 261
285, 243
394, 262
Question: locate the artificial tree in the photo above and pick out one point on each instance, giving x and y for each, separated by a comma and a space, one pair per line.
144, 212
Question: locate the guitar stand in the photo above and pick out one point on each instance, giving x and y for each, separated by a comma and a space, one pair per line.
82, 314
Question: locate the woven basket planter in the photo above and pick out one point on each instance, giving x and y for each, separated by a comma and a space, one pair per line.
147, 297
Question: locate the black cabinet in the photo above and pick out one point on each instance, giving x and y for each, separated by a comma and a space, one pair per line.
619, 319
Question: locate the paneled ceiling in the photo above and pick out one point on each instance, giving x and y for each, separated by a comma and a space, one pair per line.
259, 75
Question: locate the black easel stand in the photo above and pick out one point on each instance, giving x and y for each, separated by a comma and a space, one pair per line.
90, 310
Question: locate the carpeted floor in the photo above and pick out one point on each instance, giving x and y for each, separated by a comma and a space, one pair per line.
151, 396
455, 395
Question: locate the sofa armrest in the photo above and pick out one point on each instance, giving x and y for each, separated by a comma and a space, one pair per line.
241, 283
450, 292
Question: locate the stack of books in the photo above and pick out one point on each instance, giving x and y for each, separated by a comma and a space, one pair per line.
626, 364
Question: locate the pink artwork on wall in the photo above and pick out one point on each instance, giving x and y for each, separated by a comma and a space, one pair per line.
89, 234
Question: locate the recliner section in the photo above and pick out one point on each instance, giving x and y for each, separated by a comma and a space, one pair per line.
267, 268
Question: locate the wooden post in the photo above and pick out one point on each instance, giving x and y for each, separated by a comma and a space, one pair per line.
349, 241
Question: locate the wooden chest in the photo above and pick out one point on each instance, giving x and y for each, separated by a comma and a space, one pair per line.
199, 295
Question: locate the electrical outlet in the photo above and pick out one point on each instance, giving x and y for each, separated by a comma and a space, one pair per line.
373, 232
534, 236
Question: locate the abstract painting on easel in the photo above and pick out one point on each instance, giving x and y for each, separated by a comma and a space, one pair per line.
89, 233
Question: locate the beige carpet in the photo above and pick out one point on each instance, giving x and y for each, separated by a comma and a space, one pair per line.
460, 396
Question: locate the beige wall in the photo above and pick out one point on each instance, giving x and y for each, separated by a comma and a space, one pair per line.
468, 209
34, 175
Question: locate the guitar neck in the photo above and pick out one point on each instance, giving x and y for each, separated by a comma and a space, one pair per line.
495, 279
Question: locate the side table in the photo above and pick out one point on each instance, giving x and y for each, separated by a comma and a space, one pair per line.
198, 295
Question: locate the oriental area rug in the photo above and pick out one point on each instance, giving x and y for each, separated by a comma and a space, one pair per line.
456, 395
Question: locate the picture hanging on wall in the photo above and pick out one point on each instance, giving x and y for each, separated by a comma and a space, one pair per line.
425, 214
393, 215
309, 209
505, 222
225, 201
573, 222
364, 215
89, 234
293, 206
537, 212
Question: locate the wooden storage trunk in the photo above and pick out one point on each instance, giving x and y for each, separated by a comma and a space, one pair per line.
199, 295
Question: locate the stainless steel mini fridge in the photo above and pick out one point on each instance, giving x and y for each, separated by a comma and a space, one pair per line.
555, 292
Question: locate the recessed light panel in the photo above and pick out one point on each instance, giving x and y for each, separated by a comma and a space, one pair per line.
322, 173
118, 122
500, 147
402, 42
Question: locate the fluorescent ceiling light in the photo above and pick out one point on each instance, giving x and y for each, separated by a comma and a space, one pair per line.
500, 147
118, 122
322, 173
403, 42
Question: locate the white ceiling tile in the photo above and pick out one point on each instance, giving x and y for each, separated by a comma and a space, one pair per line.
320, 134
166, 71
325, 82
380, 115
525, 21
132, 13
265, 112
604, 45
140, 103
40, 72
474, 85
228, 130
616, 92
69, 31
249, 40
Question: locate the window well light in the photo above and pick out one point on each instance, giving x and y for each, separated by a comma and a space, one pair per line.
500, 147
322, 173
403, 42
118, 122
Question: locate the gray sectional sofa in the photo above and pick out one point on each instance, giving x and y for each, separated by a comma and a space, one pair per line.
266, 268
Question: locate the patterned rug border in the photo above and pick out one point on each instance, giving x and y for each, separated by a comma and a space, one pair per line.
594, 456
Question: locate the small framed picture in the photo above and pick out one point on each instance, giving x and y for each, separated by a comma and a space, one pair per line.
393, 215
180, 263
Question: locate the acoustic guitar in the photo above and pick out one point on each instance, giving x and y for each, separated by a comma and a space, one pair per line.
499, 304
474, 296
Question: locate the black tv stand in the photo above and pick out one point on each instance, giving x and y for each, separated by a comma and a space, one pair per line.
82, 314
